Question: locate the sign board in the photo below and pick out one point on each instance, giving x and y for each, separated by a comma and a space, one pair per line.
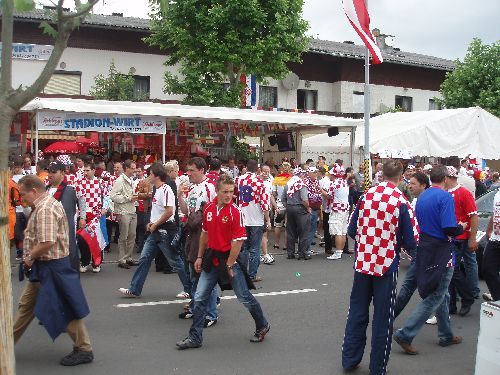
27, 51
94, 122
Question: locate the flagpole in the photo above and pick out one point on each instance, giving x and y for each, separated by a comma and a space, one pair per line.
366, 163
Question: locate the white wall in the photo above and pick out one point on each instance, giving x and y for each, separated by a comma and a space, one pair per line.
93, 62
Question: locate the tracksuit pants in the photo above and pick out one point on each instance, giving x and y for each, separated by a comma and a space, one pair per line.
382, 289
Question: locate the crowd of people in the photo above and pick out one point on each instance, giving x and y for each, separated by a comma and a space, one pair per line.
210, 222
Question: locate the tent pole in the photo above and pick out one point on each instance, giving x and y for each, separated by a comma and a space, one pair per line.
164, 151
36, 139
366, 162
351, 149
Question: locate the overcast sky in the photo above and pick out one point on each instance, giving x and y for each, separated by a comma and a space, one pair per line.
441, 28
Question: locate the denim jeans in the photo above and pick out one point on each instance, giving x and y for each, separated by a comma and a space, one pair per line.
212, 302
158, 241
250, 252
408, 287
437, 301
206, 284
312, 230
470, 262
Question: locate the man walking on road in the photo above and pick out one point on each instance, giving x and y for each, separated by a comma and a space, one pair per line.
434, 268
54, 293
381, 224
222, 236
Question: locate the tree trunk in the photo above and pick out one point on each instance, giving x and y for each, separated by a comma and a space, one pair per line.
7, 359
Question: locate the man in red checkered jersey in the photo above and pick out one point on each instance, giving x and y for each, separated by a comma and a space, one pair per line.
381, 224
254, 203
221, 240
93, 189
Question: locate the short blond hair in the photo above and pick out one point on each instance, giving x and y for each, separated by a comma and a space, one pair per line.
172, 165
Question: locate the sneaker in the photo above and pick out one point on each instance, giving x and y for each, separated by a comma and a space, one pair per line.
262, 258
487, 297
96, 269
77, 357
454, 341
187, 343
183, 295
83, 269
186, 315
218, 301
334, 256
432, 320
259, 335
209, 322
268, 259
127, 293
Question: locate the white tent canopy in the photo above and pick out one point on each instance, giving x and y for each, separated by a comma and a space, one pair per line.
449, 132
186, 112
338, 147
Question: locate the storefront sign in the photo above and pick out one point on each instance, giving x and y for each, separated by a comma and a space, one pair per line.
30, 51
100, 122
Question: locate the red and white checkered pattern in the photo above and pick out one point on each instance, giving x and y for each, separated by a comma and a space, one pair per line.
71, 179
252, 198
294, 184
377, 228
93, 191
65, 159
339, 195
337, 170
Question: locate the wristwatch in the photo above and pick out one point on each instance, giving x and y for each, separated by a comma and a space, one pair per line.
230, 267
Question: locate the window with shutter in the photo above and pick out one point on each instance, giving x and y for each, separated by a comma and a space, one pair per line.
67, 83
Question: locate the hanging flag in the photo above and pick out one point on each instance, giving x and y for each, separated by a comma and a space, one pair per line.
249, 95
95, 236
358, 16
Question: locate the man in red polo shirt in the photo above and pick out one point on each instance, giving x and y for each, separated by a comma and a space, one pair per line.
466, 244
221, 239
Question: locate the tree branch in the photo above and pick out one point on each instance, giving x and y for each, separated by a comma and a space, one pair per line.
7, 35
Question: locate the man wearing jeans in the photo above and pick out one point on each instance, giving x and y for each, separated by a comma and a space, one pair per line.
254, 204
223, 234
436, 217
162, 228
123, 196
491, 260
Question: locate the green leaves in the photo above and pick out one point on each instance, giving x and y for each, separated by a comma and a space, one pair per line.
116, 86
24, 5
48, 29
476, 80
222, 39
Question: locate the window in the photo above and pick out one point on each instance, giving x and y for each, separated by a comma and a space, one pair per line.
141, 87
268, 96
404, 102
307, 99
358, 102
434, 105
62, 82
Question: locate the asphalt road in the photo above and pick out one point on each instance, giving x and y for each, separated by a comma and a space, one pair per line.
306, 334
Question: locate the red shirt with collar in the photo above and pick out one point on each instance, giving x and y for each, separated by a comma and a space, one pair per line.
223, 225
465, 207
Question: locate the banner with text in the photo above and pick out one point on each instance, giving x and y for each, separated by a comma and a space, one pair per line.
27, 51
92, 122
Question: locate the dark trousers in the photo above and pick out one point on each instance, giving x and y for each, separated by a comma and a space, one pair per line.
383, 291
297, 228
326, 233
491, 267
110, 224
140, 231
459, 283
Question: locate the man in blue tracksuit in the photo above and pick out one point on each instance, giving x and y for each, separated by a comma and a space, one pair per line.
381, 224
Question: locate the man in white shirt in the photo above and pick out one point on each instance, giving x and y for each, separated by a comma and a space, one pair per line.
163, 228
266, 177
324, 184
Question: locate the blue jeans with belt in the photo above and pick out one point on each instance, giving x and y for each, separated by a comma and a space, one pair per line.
206, 284
250, 252
437, 301
312, 230
470, 263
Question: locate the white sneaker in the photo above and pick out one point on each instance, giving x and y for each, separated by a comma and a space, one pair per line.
262, 259
268, 259
96, 269
183, 295
432, 320
83, 269
127, 293
334, 256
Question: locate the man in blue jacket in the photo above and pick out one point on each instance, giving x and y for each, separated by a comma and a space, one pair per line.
381, 224
434, 268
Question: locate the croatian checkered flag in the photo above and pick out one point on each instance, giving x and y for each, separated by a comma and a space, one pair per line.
358, 16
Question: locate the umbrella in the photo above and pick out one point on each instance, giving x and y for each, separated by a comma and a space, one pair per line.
63, 147
93, 141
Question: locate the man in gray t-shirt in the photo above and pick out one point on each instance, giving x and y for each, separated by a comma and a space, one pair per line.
298, 215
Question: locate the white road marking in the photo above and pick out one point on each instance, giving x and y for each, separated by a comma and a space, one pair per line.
178, 301
324, 284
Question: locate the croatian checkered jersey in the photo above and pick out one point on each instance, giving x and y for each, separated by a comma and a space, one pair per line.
339, 195
198, 194
253, 199
378, 226
71, 179
94, 192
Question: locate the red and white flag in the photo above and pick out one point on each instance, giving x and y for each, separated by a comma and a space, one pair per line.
358, 16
